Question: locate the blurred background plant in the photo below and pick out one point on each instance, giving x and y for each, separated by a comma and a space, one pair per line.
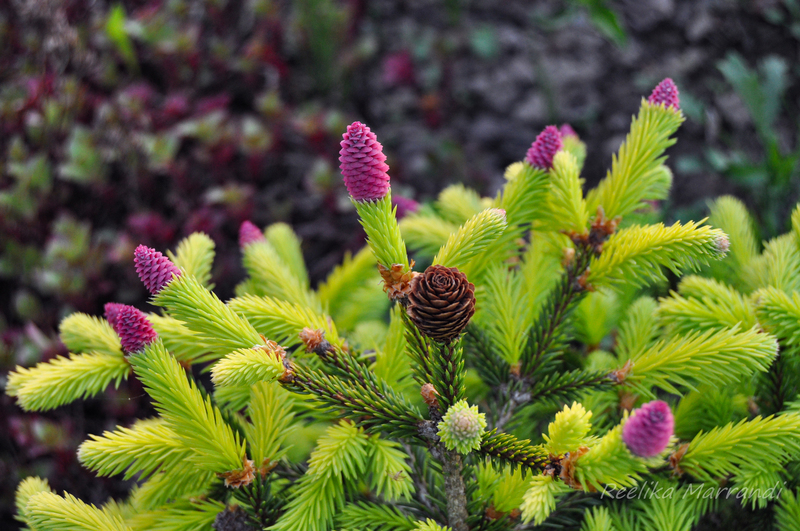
142, 121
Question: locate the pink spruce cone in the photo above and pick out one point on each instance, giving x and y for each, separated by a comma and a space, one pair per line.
249, 233
132, 327
544, 148
648, 430
112, 310
666, 92
567, 130
155, 269
405, 206
363, 164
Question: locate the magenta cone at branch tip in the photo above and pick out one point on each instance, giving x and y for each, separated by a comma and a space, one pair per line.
112, 312
155, 269
134, 330
249, 233
544, 148
666, 92
649, 428
363, 164
567, 130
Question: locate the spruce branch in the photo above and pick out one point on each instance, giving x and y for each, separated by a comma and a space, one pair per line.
375, 411
147, 447
716, 453
62, 380
271, 277
202, 312
509, 450
195, 255
567, 386
493, 369
84, 333
50, 512
287, 246
419, 349
447, 363
281, 321
457, 203
197, 423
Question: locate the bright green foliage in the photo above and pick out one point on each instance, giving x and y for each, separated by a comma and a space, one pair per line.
186, 515
635, 169
730, 215
703, 304
356, 273
679, 508
147, 447
541, 266
506, 312
521, 197
391, 364
323, 435
270, 276
49, 512
340, 457
181, 342
185, 480
457, 203
708, 407
778, 266
27, 488
197, 423
540, 498
383, 232
787, 514
714, 357
203, 313
569, 430
64, 380
389, 471
430, 525
195, 256
281, 321
372, 517
84, 333
509, 491
636, 255
721, 450
596, 316
598, 519
426, 233
609, 462
247, 366
566, 208
271, 415
575, 147
639, 328
471, 239
779, 314
753, 482
287, 246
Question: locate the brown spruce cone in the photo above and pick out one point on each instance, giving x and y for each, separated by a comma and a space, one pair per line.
441, 302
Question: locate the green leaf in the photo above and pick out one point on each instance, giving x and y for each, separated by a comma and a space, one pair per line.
115, 30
